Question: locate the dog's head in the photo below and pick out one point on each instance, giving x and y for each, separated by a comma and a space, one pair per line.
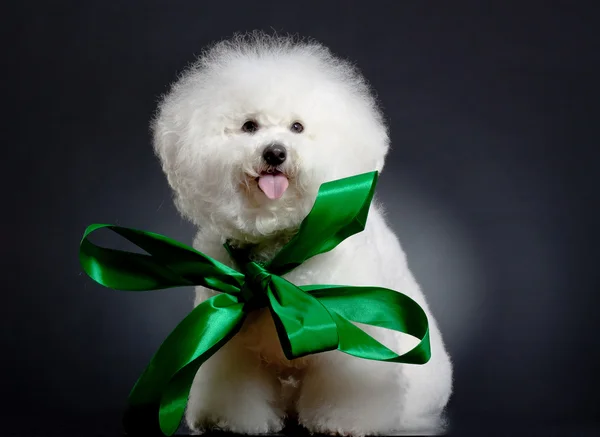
252, 129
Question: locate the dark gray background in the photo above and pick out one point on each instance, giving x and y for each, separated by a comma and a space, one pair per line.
491, 186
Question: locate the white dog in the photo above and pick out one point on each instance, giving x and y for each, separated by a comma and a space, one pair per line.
246, 136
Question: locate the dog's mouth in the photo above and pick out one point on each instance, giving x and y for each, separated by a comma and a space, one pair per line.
273, 183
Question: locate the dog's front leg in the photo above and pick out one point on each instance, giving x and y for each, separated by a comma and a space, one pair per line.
345, 395
234, 392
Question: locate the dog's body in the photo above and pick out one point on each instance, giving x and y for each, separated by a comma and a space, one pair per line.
246, 138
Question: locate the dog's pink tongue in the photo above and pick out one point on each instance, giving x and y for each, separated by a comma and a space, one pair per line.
273, 185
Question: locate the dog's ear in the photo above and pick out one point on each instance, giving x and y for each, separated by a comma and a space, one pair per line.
380, 146
384, 149
163, 140
379, 165
167, 143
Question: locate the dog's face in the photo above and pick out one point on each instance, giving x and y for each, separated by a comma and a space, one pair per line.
247, 140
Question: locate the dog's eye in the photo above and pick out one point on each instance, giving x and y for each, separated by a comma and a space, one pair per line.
250, 126
296, 127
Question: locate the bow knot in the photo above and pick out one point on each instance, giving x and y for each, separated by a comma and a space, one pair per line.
309, 318
256, 283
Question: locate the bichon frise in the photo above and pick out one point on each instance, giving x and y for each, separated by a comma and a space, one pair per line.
246, 136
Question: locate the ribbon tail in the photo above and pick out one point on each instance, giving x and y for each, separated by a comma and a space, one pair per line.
165, 383
303, 324
379, 307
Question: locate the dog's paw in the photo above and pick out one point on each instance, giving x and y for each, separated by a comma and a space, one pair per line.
326, 426
245, 422
338, 433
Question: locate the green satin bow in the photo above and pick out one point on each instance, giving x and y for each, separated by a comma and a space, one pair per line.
309, 319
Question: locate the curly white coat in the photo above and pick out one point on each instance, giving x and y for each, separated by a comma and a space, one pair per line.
212, 165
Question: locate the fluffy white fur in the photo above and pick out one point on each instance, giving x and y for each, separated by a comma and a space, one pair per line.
212, 165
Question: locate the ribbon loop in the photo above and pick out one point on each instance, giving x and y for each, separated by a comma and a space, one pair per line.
341, 210
168, 264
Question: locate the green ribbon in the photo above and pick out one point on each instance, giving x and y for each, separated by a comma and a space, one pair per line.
309, 319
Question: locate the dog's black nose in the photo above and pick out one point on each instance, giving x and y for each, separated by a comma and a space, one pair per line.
274, 154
